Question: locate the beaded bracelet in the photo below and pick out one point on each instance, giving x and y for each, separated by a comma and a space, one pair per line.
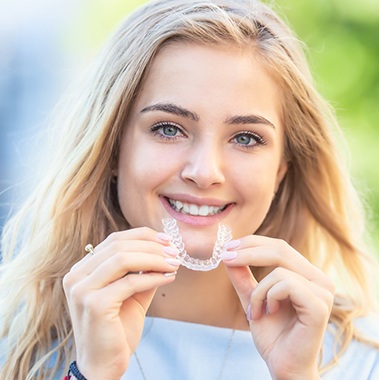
74, 370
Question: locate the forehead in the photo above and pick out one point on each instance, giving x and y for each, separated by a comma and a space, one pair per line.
223, 76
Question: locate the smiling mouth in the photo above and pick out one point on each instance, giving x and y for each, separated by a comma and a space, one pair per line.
195, 210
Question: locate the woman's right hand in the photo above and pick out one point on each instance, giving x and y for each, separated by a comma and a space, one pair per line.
108, 294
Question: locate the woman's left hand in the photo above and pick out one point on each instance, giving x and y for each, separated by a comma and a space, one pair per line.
288, 309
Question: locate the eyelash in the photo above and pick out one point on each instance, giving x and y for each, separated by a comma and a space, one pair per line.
259, 140
157, 130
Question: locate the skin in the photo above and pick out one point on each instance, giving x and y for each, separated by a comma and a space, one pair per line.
205, 129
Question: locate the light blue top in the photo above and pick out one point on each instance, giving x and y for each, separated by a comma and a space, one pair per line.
173, 350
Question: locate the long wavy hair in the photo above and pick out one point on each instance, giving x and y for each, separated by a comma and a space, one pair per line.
315, 209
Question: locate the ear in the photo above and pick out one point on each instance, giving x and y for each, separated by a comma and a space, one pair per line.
114, 174
114, 168
282, 170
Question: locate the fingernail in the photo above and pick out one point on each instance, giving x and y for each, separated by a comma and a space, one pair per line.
248, 313
172, 261
170, 274
170, 250
163, 236
232, 244
228, 255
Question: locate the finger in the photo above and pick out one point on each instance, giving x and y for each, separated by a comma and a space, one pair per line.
120, 249
310, 310
116, 241
114, 295
90, 262
261, 251
146, 246
142, 234
117, 266
121, 264
243, 282
282, 285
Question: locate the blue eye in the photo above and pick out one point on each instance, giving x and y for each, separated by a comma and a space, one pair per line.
248, 139
244, 139
167, 130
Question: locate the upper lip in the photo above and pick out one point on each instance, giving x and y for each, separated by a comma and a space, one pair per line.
196, 200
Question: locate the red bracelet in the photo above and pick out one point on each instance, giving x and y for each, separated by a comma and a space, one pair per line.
67, 378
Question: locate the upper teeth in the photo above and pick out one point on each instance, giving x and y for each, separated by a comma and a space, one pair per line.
192, 209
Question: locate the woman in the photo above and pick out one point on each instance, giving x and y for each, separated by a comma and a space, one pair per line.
203, 112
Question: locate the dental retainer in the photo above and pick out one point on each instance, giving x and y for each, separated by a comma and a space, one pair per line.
224, 235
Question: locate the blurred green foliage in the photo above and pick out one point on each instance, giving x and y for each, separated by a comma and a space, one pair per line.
342, 39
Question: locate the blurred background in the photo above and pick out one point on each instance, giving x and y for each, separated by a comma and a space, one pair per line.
46, 44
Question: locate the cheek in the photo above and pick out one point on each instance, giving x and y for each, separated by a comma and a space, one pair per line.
257, 194
257, 178
142, 169
131, 170
136, 160
255, 188
142, 157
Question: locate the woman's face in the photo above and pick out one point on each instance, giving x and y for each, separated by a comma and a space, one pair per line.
203, 144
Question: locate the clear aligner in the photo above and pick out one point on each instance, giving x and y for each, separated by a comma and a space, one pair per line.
224, 235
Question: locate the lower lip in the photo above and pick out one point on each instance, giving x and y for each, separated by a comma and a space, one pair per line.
195, 220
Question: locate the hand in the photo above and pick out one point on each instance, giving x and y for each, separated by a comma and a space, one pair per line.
288, 309
108, 298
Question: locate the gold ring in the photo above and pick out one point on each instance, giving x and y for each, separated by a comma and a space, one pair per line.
89, 249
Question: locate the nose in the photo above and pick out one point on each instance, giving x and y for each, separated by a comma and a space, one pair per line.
204, 165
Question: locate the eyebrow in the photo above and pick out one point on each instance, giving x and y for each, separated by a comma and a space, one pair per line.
181, 111
173, 109
248, 119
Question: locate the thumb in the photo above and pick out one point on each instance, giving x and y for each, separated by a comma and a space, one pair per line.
244, 283
145, 298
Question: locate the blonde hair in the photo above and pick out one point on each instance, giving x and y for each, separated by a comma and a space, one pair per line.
316, 208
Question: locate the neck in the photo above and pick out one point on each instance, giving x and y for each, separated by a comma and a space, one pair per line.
200, 297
